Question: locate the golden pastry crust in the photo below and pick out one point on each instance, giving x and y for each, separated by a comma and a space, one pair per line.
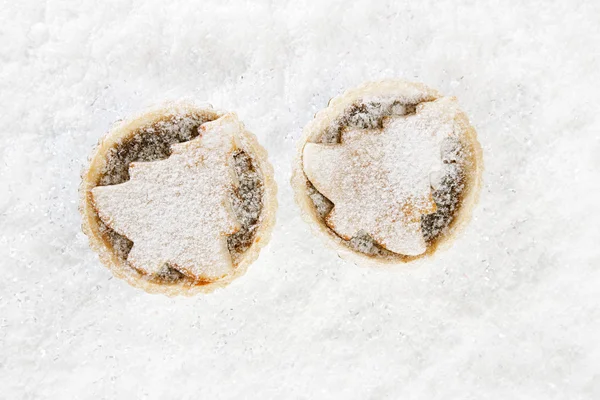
411, 93
91, 223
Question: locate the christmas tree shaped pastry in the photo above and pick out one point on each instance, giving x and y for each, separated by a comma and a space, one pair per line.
177, 211
378, 180
178, 200
387, 172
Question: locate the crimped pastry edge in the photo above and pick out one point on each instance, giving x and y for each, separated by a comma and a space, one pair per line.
90, 226
335, 107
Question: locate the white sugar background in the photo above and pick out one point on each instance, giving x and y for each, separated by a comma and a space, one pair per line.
511, 311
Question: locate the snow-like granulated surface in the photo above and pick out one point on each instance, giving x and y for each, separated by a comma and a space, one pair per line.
177, 211
510, 311
380, 179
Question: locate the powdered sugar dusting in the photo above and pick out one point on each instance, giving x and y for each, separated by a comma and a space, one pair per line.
379, 179
448, 185
247, 203
150, 143
177, 211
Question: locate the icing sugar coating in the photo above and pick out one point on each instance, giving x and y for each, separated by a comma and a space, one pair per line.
177, 211
379, 180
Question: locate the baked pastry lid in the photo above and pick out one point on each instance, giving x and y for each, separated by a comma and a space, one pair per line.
93, 171
409, 93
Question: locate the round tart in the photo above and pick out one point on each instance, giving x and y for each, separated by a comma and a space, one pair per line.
179, 200
388, 172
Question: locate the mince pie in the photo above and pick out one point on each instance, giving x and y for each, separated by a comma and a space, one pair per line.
388, 172
179, 200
